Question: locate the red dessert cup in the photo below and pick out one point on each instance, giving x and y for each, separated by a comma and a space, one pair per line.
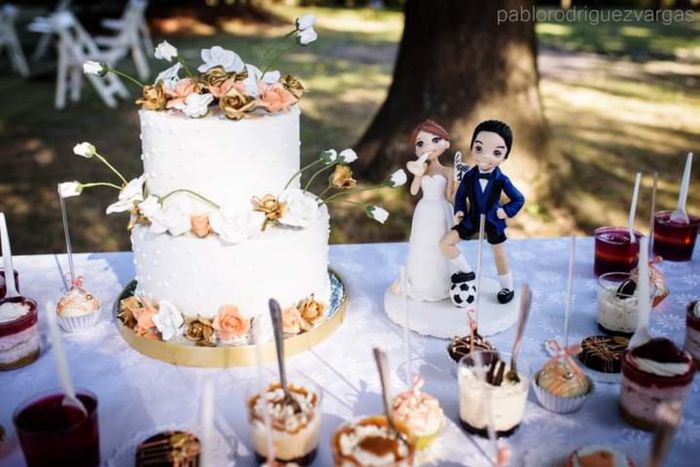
692, 334
674, 241
614, 252
3, 287
19, 338
57, 435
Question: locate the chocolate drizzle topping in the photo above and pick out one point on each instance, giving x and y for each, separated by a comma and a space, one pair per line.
176, 448
603, 353
461, 346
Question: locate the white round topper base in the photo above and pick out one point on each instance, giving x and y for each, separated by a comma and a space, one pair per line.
444, 320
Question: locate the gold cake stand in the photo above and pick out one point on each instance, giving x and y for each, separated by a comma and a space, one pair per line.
236, 356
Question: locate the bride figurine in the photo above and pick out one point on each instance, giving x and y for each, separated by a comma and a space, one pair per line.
427, 269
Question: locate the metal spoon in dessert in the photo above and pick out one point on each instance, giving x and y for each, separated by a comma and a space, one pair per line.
525, 304
383, 367
276, 316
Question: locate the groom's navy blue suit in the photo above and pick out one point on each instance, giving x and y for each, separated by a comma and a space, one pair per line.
473, 201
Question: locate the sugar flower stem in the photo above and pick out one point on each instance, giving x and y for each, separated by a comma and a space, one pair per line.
317, 173
186, 66
348, 192
300, 171
194, 193
320, 196
124, 75
272, 49
111, 167
111, 185
351, 203
276, 57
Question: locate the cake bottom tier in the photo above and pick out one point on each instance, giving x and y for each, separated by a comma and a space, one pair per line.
200, 275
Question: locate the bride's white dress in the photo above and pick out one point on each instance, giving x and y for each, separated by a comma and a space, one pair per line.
426, 268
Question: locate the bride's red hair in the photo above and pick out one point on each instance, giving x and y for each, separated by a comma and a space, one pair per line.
429, 126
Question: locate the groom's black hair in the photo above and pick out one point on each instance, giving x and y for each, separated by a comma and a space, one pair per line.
495, 126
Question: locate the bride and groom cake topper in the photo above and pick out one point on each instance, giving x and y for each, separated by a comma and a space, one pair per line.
435, 264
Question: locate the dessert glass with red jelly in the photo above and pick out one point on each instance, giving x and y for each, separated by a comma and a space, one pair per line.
51, 433
653, 372
19, 332
614, 252
692, 332
3, 287
674, 241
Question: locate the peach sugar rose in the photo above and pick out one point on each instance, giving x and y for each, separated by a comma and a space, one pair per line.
200, 225
222, 89
145, 327
275, 97
180, 91
291, 320
230, 323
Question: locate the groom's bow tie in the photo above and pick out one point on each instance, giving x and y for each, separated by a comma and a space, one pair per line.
485, 176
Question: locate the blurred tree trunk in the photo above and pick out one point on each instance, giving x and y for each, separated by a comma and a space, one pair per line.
457, 65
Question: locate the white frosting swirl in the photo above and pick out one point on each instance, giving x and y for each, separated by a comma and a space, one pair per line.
659, 368
10, 311
696, 309
617, 458
351, 446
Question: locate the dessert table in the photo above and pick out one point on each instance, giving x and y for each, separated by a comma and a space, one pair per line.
138, 395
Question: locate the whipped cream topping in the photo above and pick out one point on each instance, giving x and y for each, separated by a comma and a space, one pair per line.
372, 445
10, 311
420, 412
659, 368
696, 309
614, 458
282, 415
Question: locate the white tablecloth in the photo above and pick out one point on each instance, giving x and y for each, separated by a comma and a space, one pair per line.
137, 394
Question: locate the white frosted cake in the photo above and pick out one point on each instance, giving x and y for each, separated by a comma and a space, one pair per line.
228, 162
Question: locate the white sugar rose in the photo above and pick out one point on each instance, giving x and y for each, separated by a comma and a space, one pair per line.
172, 219
94, 68
302, 208
307, 36
377, 213
196, 105
130, 195
305, 22
329, 156
398, 178
348, 156
234, 224
169, 76
70, 189
165, 51
255, 75
85, 150
218, 56
168, 320
150, 207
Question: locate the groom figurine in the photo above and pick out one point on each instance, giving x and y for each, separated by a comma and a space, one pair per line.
479, 193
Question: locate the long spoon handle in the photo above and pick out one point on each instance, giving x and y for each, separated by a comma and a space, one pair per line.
276, 316
685, 183
10, 286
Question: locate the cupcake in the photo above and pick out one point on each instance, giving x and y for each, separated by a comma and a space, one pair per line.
561, 386
19, 335
420, 413
597, 455
295, 430
653, 372
603, 353
508, 395
371, 442
169, 449
461, 346
78, 310
692, 331
616, 304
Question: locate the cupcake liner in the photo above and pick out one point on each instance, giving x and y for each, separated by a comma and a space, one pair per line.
425, 441
73, 324
559, 404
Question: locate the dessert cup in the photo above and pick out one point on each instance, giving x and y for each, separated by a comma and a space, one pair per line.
3, 287
692, 332
674, 241
597, 455
78, 311
169, 448
369, 441
603, 353
614, 251
508, 398
51, 433
561, 387
616, 304
19, 334
421, 414
653, 372
294, 435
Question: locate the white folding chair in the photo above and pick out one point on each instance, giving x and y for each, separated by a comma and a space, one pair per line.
129, 35
75, 46
45, 39
117, 24
8, 39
